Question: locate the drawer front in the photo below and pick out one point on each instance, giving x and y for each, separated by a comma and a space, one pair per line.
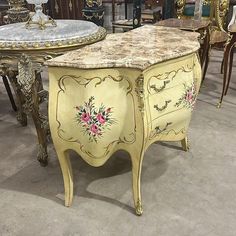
170, 127
180, 96
169, 76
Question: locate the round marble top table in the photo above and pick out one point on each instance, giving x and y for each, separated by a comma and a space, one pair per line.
67, 33
24, 50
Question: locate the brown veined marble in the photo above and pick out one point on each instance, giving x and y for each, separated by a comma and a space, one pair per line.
139, 48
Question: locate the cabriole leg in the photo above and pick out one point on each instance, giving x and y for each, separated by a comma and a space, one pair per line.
137, 159
64, 160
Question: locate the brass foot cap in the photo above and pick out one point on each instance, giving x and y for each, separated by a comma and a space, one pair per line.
139, 210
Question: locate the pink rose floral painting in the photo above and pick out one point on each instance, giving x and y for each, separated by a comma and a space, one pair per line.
94, 121
189, 97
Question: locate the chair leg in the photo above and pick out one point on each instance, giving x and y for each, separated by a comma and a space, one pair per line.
230, 69
225, 69
206, 64
8, 89
222, 66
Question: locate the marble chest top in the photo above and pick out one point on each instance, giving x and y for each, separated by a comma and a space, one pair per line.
139, 48
67, 33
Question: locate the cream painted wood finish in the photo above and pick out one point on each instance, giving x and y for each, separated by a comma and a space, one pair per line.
96, 112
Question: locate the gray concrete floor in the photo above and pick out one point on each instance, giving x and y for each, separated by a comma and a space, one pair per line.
184, 194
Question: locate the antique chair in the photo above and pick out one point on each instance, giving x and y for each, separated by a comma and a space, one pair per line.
127, 24
9, 92
214, 10
227, 63
186, 8
153, 11
218, 34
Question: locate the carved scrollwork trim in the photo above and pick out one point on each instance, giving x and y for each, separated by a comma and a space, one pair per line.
140, 92
26, 80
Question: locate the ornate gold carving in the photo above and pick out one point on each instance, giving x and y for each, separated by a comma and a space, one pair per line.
93, 15
17, 12
180, 4
26, 79
92, 3
99, 35
140, 92
41, 23
222, 7
139, 208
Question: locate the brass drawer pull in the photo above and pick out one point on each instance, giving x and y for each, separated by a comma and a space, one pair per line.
159, 130
163, 107
158, 90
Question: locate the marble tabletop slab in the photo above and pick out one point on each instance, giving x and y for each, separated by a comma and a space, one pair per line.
139, 48
67, 33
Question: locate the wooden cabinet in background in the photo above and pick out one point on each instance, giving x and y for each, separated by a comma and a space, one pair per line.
65, 9
3, 9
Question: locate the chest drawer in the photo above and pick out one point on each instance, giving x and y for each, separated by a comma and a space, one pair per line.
169, 100
171, 126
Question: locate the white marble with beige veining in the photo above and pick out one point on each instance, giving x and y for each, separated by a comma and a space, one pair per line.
139, 48
67, 33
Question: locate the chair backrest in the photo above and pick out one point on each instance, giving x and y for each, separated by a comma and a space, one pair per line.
185, 8
213, 10
221, 12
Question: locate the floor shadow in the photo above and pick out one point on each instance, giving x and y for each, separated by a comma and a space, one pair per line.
47, 182
171, 145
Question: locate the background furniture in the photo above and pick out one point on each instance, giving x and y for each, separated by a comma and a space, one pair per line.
127, 24
213, 10
218, 34
17, 12
23, 52
94, 11
169, 9
77, 9
9, 92
228, 61
65, 9
3, 10
154, 89
201, 26
153, 10
186, 8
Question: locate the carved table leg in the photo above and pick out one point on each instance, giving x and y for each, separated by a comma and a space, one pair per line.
29, 87
21, 115
185, 144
